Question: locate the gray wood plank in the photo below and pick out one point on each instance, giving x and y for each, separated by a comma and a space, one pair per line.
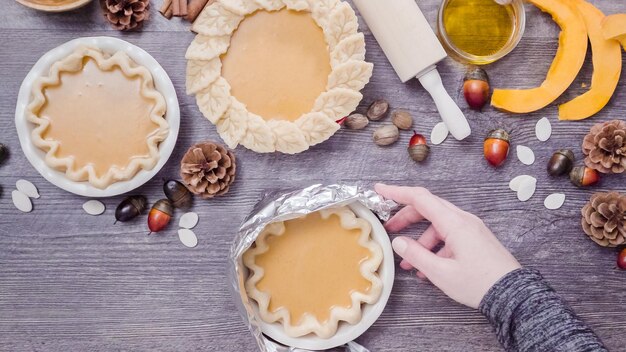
73, 282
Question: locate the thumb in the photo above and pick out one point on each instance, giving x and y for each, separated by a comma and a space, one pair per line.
418, 256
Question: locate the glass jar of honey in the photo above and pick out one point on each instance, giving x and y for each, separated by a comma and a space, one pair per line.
480, 31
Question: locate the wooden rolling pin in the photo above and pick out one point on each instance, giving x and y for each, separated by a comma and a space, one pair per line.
413, 50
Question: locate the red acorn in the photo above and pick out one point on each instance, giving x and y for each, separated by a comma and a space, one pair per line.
476, 88
160, 215
341, 120
583, 176
496, 147
418, 149
621, 259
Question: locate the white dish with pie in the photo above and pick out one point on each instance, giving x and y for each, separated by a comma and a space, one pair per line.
320, 281
97, 116
276, 75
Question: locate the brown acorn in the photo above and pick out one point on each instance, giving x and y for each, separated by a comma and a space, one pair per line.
583, 176
418, 149
561, 162
130, 208
496, 147
178, 194
476, 88
160, 215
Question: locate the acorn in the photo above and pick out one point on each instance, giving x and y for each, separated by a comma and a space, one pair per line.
621, 259
160, 215
418, 149
341, 121
178, 194
377, 110
130, 208
583, 176
4, 152
476, 88
496, 147
561, 162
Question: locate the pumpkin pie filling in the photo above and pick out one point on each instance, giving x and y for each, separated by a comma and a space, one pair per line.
98, 117
314, 266
277, 64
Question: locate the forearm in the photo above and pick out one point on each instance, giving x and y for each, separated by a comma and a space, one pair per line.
529, 316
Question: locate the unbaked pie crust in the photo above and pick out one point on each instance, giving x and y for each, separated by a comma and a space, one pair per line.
131, 124
322, 275
236, 125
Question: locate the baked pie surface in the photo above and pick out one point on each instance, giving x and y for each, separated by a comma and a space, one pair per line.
310, 273
286, 115
98, 117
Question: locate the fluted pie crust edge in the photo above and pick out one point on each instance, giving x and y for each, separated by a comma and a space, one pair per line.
74, 63
309, 324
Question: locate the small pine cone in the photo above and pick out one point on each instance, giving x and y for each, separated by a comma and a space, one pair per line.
208, 169
126, 14
604, 219
605, 147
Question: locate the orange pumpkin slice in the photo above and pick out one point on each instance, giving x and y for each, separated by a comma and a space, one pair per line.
614, 27
607, 67
568, 61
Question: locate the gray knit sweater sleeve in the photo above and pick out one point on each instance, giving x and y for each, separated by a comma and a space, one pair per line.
529, 315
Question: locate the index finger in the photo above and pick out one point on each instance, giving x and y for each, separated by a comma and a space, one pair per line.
444, 218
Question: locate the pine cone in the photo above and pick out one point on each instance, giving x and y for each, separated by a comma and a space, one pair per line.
604, 219
126, 14
605, 147
208, 169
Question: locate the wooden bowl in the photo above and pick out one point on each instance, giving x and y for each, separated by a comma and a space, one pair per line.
53, 5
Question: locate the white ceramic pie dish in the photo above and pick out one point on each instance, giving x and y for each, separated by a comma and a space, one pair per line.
55, 8
36, 156
371, 312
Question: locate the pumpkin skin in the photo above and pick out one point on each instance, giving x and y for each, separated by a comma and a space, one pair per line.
607, 68
614, 27
568, 61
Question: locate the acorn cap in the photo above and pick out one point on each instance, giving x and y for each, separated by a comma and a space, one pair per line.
164, 206
499, 134
476, 73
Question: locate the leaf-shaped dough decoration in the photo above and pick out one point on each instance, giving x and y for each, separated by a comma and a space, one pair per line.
317, 127
351, 48
215, 19
297, 5
259, 137
241, 7
271, 5
214, 100
207, 47
289, 138
200, 74
321, 9
342, 24
233, 126
337, 103
352, 75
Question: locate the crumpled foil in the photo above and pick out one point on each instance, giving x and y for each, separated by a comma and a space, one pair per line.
281, 207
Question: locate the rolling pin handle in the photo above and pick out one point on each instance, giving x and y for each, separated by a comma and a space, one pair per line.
450, 113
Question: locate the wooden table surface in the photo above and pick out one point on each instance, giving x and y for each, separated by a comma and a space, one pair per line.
73, 282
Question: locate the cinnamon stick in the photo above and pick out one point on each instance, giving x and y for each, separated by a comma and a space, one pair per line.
183, 7
176, 7
195, 7
165, 8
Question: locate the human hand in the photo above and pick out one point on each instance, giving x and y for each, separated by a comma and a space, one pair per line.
471, 260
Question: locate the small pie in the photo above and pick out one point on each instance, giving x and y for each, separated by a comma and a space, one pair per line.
276, 75
99, 118
312, 272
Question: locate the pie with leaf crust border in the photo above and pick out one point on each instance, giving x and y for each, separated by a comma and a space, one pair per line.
235, 124
309, 323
